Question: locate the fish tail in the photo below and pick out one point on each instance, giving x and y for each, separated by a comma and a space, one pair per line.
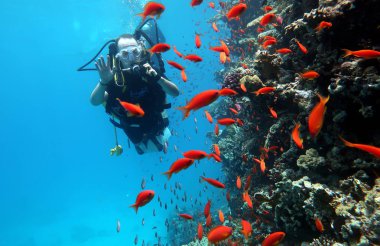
347, 52
135, 207
256, 93
349, 144
209, 156
323, 99
168, 174
185, 112
142, 15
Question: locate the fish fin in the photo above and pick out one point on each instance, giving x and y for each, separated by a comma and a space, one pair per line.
168, 174
323, 99
185, 111
135, 207
349, 144
347, 52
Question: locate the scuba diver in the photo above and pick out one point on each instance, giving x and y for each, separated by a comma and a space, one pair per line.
133, 75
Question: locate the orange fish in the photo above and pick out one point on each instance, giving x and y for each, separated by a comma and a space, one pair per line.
159, 48
221, 216
243, 88
272, 112
296, 136
375, 151
198, 101
176, 65
215, 27
208, 220
269, 43
186, 216
177, 52
216, 157
142, 199
264, 90
179, 165
222, 57
133, 110
246, 229
216, 149
200, 231
238, 182
195, 2
267, 18
195, 154
198, 42
366, 54
208, 116
216, 130
301, 47
267, 9
225, 48
211, 4
217, 48
309, 75
247, 199
227, 92
183, 75
214, 182
226, 121
284, 51
233, 110
152, 9
207, 208
219, 233
319, 225
193, 58
316, 116
236, 11
262, 165
273, 239
323, 25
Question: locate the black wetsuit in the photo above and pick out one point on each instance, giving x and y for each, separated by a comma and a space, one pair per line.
151, 98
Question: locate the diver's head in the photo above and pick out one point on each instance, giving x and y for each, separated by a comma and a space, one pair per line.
129, 51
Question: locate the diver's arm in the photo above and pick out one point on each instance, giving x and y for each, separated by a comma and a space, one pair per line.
169, 87
99, 94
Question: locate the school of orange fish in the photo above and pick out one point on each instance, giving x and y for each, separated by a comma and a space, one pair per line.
315, 120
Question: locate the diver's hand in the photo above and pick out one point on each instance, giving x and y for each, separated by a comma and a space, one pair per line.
105, 71
149, 70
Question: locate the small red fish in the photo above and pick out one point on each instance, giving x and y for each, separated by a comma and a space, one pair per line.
247, 199
195, 154
177, 52
142, 199
195, 2
296, 136
214, 182
366, 54
133, 110
208, 116
221, 216
216, 130
176, 65
264, 90
226, 121
269, 42
225, 48
152, 9
216, 157
222, 57
272, 112
219, 233
207, 208
186, 216
179, 165
217, 48
159, 48
238, 182
236, 11
267, 8
301, 47
198, 42
309, 75
183, 75
323, 25
211, 4
214, 27
273, 239
243, 88
319, 225
216, 149
200, 231
375, 151
284, 51
246, 229
234, 111
267, 18
208, 220
193, 58
316, 116
198, 101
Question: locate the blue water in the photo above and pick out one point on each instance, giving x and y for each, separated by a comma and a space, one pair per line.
58, 183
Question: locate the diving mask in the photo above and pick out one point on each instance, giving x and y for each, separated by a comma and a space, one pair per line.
130, 54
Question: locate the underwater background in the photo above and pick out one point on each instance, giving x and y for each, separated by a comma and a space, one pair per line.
60, 186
